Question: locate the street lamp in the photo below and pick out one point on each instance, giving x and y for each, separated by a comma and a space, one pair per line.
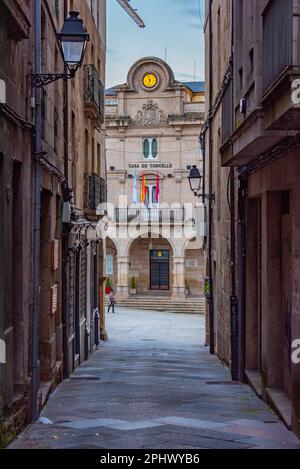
72, 41
195, 179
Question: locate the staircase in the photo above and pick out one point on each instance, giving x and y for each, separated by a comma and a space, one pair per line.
192, 305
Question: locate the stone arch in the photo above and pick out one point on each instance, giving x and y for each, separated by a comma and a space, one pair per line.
144, 230
169, 75
142, 263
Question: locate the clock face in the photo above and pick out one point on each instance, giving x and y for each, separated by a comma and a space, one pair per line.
150, 80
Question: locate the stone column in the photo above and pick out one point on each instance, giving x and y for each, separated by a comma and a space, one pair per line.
123, 277
178, 278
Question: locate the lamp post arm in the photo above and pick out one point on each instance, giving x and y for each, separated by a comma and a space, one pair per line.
43, 79
206, 196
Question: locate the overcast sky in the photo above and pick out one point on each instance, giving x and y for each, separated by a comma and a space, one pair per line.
175, 24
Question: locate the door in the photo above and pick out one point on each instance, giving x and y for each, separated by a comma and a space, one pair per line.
160, 270
151, 211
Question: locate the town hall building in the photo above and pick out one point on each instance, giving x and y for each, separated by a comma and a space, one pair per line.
154, 231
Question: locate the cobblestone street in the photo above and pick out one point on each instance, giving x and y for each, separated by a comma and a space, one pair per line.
154, 385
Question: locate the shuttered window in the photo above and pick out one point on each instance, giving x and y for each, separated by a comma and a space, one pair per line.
150, 148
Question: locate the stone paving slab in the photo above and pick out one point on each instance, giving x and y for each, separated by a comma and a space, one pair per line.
155, 386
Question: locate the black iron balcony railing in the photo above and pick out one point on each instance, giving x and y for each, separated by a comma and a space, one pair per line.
95, 192
93, 92
156, 215
277, 40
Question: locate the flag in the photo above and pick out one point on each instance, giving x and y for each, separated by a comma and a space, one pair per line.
143, 189
135, 189
157, 190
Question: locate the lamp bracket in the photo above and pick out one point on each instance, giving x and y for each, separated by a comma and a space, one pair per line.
211, 197
43, 79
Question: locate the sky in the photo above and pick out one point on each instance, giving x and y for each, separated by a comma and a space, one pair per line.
173, 24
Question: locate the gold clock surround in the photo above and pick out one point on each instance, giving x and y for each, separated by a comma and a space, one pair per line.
150, 81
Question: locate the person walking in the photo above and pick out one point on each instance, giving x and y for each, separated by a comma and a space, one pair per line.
112, 301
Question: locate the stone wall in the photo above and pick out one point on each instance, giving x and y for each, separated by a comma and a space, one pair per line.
221, 51
16, 217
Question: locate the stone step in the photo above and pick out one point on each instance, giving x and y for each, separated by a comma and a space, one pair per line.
188, 306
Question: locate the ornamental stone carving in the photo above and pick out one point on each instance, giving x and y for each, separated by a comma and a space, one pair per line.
150, 115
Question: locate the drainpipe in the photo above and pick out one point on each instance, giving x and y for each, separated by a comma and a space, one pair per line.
65, 226
210, 297
37, 214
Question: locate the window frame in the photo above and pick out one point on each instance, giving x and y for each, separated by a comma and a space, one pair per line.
150, 157
110, 264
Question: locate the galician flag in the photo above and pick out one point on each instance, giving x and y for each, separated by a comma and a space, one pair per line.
135, 189
143, 189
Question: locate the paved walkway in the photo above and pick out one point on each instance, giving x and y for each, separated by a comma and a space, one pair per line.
154, 385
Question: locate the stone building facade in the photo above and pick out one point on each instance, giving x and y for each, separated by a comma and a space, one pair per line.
152, 140
72, 162
16, 131
259, 141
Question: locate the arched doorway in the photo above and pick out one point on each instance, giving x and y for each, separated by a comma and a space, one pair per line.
150, 264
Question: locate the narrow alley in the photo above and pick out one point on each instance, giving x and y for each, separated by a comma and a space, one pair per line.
154, 385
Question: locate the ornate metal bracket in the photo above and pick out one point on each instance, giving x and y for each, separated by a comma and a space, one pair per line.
211, 197
43, 79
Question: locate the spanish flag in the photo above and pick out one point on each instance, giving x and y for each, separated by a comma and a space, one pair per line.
143, 189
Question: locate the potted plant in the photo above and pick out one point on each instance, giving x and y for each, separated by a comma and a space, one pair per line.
133, 286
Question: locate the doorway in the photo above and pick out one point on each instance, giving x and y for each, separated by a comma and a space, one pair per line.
160, 269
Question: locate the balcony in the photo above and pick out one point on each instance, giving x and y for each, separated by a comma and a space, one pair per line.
150, 215
93, 95
95, 195
281, 64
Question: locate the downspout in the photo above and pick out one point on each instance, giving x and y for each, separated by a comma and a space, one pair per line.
210, 297
65, 226
234, 311
37, 214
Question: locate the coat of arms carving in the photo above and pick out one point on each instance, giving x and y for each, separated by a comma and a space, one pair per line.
150, 115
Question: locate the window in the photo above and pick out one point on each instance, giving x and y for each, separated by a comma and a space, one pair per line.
151, 196
109, 267
111, 102
150, 149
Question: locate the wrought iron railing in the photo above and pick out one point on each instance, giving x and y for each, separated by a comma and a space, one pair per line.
93, 88
95, 191
277, 39
159, 215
